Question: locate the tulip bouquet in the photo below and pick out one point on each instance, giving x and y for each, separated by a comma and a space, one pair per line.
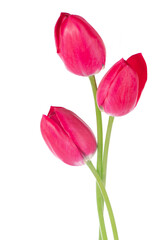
68, 137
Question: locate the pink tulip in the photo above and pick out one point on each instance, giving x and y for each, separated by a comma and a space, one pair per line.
67, 136
120, 89
79, 45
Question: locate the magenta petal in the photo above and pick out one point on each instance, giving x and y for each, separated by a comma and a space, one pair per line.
57, 28
59, 142
107, 81
117, 93
79, 45
122, 94
138, 64
78, 131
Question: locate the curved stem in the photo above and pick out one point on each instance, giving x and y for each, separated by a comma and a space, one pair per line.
106, 147
105, 153
102, 234
105, 197
99, 126
102, 231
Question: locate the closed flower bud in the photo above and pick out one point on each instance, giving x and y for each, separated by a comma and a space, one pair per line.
67, 136
79, 45
120, 89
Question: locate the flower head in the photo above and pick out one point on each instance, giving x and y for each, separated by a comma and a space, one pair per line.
121, 87
67, 136
79, 45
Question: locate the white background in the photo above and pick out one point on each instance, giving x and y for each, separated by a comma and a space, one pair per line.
41, 197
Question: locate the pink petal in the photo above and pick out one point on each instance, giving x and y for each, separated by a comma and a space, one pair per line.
60, 143
122, 93
80, 46
107, 81
78, 131
57, 28
138, 64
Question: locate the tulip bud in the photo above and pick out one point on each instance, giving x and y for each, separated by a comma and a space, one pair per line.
79, 45
67, 136
120, 89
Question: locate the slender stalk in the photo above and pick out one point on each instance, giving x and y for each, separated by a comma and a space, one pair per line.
105, 153
99, 126
105, 197
102, 164
106, 147
102, 233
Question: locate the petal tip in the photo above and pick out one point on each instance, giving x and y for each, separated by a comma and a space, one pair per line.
57, 28
138, 64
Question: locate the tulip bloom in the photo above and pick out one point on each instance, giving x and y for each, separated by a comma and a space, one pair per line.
79, 46
67, 136
120, 89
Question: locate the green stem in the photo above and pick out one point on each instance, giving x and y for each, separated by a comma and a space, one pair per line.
102, 165
105, 197
105, 153
103, 234
105, 158
99, 126
106, 147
